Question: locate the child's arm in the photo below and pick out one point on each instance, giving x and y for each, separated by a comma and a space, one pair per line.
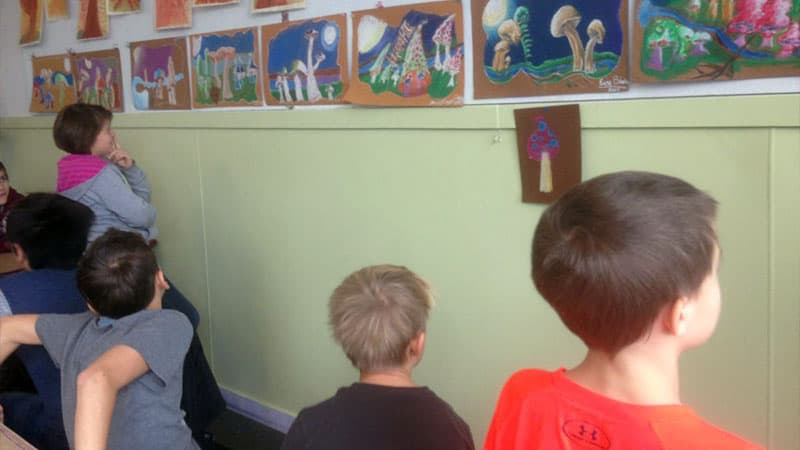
17, 330
137, 180
118, 196
97, 389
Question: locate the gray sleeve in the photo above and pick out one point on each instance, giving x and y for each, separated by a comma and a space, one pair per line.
57, 331
137, 180
120, 198
162, 338
5, 308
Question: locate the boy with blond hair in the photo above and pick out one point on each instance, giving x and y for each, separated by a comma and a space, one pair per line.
378, 315
629, 262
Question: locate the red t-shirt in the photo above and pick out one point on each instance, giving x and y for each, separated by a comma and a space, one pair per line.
546, 410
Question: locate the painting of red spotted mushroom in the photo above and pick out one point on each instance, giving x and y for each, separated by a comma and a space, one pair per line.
549, 148
715, 40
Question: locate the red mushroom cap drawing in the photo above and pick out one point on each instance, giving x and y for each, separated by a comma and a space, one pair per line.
543, 146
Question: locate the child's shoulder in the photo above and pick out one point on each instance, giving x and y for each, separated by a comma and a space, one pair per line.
529, 379
161, 321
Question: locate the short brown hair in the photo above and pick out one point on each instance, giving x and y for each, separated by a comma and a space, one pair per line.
77, 126
376, 312
117, 274
615, 250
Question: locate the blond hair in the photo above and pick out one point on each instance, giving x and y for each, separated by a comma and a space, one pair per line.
376, 312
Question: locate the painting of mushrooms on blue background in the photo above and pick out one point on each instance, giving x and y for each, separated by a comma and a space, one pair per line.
528, 48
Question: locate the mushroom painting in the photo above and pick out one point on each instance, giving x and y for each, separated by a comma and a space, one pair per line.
543, 146
305, 61
99, 78
719, 40
564, 23
596, 32
164, 60
549, 150
413, 55
545, 47
225, 69
53, 83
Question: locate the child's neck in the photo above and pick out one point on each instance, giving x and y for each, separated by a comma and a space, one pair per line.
395, 377
637, 374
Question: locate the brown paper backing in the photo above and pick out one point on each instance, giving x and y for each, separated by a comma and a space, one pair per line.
565, 121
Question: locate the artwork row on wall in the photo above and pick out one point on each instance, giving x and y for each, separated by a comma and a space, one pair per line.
405, 57
93, 15
412, 55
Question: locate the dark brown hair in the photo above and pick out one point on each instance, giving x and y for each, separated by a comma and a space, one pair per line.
614, 250
77, 126
51, 229
117, 274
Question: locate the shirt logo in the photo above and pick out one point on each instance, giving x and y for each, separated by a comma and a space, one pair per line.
585, 434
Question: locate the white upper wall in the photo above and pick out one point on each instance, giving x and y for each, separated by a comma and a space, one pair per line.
59, 36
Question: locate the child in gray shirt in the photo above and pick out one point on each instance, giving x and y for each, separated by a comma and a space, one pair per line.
121, 363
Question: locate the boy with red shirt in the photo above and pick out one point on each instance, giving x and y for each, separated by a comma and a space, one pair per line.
629, 263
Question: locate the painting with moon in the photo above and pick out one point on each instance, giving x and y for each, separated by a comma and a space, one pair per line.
525, 48
410, 55
305, 62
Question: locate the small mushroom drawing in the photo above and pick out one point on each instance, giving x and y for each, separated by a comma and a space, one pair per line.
789, 41
543, 146
596, 32
564, 23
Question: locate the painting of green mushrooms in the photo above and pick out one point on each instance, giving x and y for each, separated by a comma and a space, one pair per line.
708, 40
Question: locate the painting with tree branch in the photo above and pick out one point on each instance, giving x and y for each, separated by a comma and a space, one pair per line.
703, 40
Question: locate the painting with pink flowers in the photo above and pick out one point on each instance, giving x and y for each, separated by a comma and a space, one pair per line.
704, 40
549, 148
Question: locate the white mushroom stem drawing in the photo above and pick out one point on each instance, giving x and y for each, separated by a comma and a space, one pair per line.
596, 32
564, 23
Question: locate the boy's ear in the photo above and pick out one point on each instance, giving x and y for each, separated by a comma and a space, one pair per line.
161, 280
21, 256
679, 316
416, 347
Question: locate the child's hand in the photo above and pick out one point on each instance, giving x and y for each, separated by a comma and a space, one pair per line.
120, 157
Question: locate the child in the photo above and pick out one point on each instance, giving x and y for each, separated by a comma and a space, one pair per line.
121, 363
104, 177
48, 233
101, 175
629, 263
8, 197
378, 315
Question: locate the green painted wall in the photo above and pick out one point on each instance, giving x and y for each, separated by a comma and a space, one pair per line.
262, 213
